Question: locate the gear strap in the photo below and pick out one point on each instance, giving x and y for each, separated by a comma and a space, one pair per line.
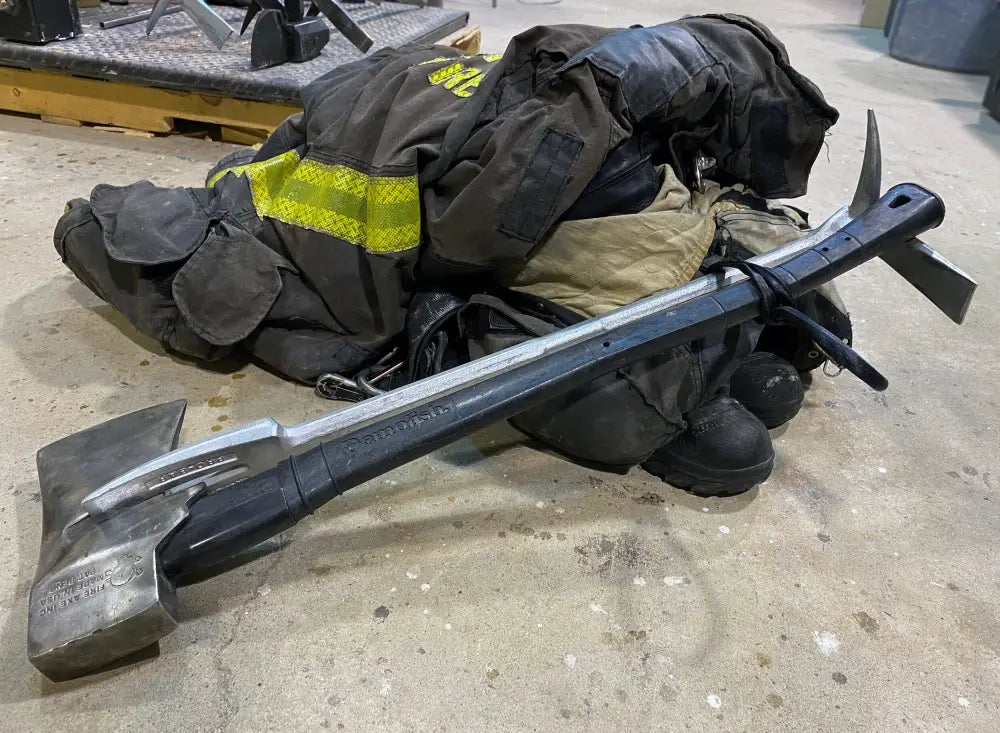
777, 306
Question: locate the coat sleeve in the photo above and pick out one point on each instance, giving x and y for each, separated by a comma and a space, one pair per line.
533, 136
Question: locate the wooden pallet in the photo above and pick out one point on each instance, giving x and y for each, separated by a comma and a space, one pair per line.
73, 100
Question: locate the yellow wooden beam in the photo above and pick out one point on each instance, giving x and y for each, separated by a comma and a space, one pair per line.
124, 104
68, 99
468, 39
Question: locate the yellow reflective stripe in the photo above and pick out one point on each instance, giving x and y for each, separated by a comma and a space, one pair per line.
487, 57
263, 171
436, 77
455, 79
373, 238
267, 177
462, 80
286, 161
218, 176
437, 60
379, 213
469, 87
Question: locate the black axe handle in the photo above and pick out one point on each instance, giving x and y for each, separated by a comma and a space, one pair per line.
228, 522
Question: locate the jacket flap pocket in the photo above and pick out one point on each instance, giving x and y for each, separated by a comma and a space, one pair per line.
147, 225
228, 286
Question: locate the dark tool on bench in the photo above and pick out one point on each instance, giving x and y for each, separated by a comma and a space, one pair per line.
128, 516
210, 22
284, 33
39, 21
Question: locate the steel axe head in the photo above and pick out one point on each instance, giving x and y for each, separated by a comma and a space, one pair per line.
941, 282
99, 594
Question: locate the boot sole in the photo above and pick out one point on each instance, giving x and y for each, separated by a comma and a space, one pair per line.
702, 481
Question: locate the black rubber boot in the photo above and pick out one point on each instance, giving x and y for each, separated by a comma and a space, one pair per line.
769, 387
724, 451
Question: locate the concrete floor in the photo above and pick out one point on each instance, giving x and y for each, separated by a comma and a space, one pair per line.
856, 590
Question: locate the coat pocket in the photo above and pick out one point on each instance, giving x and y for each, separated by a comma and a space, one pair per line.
227, 287
146, 225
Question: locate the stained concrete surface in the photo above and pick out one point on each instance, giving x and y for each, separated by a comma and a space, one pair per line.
491, 586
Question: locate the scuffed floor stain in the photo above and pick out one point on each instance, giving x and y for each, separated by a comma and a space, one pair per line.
866, 622
763, 659
774, 700
602, 554
840, 678
522, 529
218, 401
381, 614
624, 640
649, 498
